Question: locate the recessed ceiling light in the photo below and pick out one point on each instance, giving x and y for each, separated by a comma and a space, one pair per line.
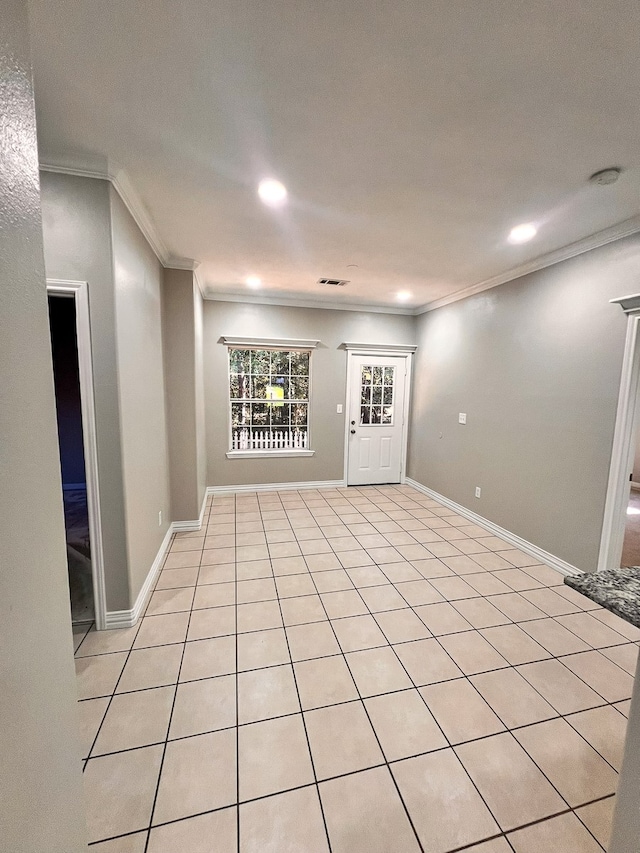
272, 192
403, 295
523, 233
253, 281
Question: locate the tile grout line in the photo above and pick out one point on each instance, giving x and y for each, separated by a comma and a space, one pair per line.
507, 730
355, 773
237, 678
482, 571
111, 696
366, 711
304, 722
414, 686
169, 721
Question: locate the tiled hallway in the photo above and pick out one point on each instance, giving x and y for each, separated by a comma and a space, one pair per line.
362, 671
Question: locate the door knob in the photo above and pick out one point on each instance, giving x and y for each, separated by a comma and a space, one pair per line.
353, 432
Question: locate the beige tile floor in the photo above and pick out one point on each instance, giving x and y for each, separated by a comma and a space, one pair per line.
353, 670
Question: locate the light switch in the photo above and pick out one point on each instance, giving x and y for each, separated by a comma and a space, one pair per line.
462, 418
339, 408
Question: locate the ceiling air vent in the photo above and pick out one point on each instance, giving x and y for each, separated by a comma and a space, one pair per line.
334, 282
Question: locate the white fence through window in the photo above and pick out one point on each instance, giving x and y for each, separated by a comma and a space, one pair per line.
244, 439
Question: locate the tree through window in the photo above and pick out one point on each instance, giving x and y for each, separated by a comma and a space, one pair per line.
269, 394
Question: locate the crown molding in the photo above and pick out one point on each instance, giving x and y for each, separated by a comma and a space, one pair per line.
293, 302
134, 204
572, 250
200, 283
174, 263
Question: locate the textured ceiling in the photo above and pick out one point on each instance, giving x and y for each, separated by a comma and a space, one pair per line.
411, 136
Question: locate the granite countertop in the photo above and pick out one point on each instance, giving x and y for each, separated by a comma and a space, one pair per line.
616, 589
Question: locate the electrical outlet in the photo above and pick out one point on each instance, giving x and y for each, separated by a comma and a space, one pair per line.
339, 408
160, 519
462, 418
478, 491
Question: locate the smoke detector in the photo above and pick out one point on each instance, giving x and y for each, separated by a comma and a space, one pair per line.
334, 282
606, 176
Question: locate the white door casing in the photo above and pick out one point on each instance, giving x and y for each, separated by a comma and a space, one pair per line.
79, 290
613, 527
377, 402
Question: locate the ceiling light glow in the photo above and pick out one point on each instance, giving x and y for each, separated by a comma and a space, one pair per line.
253, 281
522, 233
272, 192
403, 295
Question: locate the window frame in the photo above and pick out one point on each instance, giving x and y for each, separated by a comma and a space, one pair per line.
280, 345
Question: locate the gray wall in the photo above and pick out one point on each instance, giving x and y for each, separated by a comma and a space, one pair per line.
180, 377
145, 461
77, 246
90, 236
40, 778
535, 364
328, 383
201, 440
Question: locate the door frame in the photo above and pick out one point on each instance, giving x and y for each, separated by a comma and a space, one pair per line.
380, 350
613, 524
79, 292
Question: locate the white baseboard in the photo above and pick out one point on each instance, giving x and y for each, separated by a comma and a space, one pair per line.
187, 526
277, 487
528, 547
128, 618
635, 486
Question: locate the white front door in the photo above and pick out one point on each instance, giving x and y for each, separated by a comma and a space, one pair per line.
378, 385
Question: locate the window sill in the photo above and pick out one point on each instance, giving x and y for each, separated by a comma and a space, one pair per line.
267, 454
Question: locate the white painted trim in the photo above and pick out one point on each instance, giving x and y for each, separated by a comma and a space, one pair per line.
622, 451
188, 526
79, 290
382, 349
305, 302
408, 355
174, 263
267, 454
128, 618
119, 179
198, 279
268, 343
281, 343
579, 247
635, 486
277, 487
405, 416
528, 547
628, 304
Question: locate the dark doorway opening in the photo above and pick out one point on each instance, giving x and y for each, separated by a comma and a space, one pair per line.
64, 346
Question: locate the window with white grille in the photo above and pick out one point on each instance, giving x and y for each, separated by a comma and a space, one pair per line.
269, 397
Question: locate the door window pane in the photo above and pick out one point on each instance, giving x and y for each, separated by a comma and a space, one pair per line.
376, 394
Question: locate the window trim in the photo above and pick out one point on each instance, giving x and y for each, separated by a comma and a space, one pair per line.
267, 454
268, 343
288, 345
